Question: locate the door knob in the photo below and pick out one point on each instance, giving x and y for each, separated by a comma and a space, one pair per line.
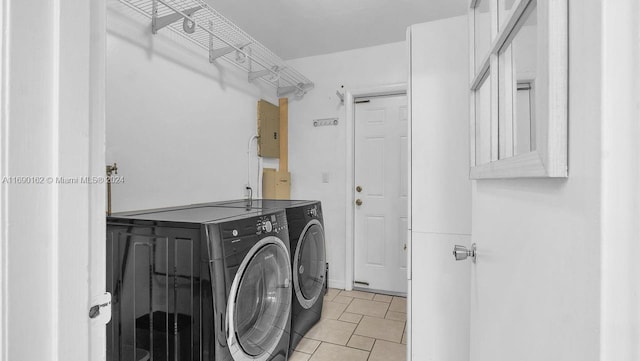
359, 202
358, 189
461, 252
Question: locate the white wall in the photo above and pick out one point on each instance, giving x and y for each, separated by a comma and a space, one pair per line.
536, 287
440, 190
314, 151
177, 126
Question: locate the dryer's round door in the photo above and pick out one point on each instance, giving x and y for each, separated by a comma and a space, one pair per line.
309, 264
260, 301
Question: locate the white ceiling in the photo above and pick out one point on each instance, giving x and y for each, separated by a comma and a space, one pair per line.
300, 28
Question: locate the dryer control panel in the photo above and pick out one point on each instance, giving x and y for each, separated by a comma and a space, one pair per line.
313, 211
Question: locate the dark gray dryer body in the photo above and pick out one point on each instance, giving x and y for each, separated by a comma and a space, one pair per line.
199, 283
308, 258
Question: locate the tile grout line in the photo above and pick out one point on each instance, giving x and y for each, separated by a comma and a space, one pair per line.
362, 316
345, 310
336, 344
372, 347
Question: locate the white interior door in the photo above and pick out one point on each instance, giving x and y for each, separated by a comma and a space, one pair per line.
380, 191
97, 195
440, 191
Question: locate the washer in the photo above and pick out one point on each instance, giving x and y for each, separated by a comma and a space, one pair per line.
199, 283
251, 277
308, 258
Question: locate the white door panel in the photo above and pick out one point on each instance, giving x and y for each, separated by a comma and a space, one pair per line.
440, 191
98, 267
439, 298
381, 169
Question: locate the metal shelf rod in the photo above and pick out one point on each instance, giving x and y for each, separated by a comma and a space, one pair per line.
186, 37
266, 67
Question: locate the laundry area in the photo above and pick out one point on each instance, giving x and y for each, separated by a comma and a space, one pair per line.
226, 211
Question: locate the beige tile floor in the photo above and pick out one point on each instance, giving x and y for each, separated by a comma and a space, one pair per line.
357, 326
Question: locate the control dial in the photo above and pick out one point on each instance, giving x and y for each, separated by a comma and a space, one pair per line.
267, 226
313, 212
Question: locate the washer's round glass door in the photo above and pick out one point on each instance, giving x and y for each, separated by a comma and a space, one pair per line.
260, 301
309, 264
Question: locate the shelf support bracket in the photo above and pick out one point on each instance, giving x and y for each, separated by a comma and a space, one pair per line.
258, 74
253, 75
300, 89
217, 53
158, 23
286, 90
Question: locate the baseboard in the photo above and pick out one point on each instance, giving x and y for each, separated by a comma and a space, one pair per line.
339, 284
382, 292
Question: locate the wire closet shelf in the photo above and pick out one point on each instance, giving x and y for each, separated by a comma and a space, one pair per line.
199, 23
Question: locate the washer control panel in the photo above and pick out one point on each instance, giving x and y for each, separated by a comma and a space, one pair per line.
273, 223
267, 226
239, 235
269, 223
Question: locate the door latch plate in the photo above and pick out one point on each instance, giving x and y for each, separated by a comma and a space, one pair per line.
101, 309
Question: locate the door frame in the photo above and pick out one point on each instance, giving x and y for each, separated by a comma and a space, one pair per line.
72, 213
97, 159
4, 222
620, 176
350, 96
